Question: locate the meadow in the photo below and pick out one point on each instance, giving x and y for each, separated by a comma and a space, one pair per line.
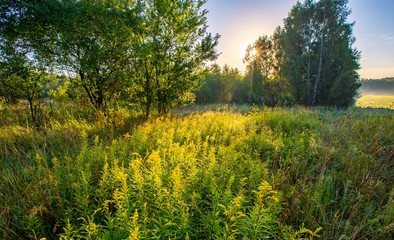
232, 173
376, 101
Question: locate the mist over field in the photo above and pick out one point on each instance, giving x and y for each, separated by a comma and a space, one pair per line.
379, 87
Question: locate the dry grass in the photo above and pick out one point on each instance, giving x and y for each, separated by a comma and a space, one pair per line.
375, 101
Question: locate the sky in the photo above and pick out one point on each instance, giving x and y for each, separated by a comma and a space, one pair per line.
241, 22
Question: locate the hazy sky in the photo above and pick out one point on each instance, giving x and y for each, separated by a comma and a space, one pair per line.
240, 22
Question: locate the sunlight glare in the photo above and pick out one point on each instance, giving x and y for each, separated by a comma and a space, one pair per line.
243, 48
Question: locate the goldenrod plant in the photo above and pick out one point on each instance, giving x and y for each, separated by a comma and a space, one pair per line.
295, 173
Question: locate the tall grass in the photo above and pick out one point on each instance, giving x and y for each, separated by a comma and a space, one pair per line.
335, 170
277, 173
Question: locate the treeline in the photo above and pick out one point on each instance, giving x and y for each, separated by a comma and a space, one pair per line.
146, 54
152, 55
309, 61
384, 86
227, 85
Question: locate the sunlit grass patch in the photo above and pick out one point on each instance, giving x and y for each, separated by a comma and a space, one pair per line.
375, 101
280, 173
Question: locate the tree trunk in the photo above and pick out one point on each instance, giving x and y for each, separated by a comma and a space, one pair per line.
308, 71
148, 98
32, 111
318, 78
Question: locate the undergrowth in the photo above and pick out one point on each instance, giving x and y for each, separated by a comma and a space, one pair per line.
275, 173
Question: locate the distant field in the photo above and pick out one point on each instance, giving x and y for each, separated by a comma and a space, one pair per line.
376, 101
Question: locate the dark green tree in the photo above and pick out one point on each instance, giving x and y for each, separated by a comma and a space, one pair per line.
209, 91
90, 40
319, 60
173, 49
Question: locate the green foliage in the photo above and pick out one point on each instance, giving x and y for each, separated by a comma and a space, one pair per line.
310, 61
19, 79
70, 37
266, 85
172, 48
227, 85
221, 85
148, 52
319, 59
279, 173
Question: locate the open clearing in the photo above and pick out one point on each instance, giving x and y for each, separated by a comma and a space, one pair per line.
376, 101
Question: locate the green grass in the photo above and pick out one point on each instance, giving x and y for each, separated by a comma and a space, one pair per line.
275, 173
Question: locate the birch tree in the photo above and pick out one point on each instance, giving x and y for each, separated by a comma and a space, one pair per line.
319, 60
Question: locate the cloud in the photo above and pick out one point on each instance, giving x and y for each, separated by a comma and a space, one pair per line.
371, 44
387, 38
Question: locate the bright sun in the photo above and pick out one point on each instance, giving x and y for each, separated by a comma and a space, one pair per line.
243, 48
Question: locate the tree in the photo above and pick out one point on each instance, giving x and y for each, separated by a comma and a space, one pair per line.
90, 40
209, 91
259, 59
155, 49
319, 60
173, 49
229, 78
220, 86
267, 86
20, 80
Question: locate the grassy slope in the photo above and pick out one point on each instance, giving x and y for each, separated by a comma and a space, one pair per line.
223, 175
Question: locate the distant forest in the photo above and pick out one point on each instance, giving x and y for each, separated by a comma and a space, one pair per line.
384, 86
